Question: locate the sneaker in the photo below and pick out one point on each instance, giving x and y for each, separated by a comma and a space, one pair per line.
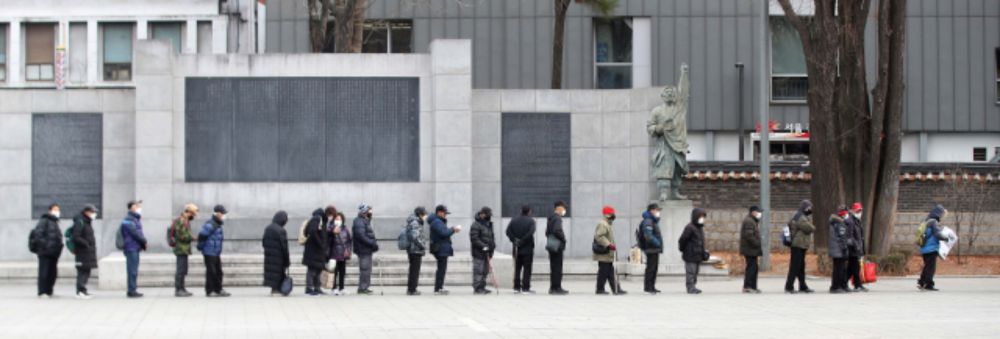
602, 293
527, 292
211, 295
441, 292
650, 292
319, 291
657, 291
413, 293
931, 289
747, 291
790, 292
480, 292
806, 290
335, 292
860, 289
558, 292
83, 295
365, 292
134, 295
44, 296
756, 291
621, 292
224, 294
694, 291
517, 291
182, 294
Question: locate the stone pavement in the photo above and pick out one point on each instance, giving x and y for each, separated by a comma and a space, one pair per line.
966, 308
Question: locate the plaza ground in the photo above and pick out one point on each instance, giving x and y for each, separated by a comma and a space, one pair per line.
966, 308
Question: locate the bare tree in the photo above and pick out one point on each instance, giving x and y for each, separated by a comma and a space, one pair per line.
969, 199
347, 28
855, 135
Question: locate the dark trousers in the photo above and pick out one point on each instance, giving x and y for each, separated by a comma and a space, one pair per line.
47, 271
442, 268
182, 271
927, 274
854, 271
480, 272
132, 270
522, 272
555, 271
691, 270
414, 273
606, 274
339, 272
213, 274
82, 276
652, 268
797, 270
838, 278
750, 275
312, 279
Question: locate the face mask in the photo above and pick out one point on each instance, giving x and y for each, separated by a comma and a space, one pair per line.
423, 218
191, 217
701, 221
337, 223
611, 217
222, 217
93, 216
808, 212
369, 214
756, 215
138, 211
55, 214
858, 215
656, 215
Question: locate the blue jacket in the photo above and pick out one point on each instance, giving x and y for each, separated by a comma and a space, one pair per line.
932, 243
210, 238
651, 232
131, 229
440, 236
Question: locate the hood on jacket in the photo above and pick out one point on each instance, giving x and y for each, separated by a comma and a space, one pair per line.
319, 213
936, 213
803, 206
647, 215
481, 220
413, 218
280, 218
695, 214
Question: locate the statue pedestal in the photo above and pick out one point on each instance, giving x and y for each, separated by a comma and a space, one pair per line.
674, 215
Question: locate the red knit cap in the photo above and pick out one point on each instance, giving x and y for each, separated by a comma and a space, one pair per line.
608, 210
856, 206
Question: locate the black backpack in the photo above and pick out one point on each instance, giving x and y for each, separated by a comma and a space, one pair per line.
640, 236
35, 240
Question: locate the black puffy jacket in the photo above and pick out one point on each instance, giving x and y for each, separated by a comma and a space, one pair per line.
317, 251
275, 243
692, 241
47, 237
481, 236
83, 239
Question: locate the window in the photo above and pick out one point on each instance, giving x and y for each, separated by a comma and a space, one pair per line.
117, 41
3, 52
789, 81
204, 37
170, 32
40, 52
388, 36
613, 53
979, 154
77, 60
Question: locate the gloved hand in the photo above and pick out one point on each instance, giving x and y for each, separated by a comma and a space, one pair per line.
486, 249
612, 247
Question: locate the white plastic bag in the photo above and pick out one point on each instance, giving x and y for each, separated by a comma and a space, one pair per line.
946, 244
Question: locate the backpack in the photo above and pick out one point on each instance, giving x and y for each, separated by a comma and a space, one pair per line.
70, 244
172, 234
786, 236
120, 239
922, 234
403, 241
34, 240
640, 237
303, 237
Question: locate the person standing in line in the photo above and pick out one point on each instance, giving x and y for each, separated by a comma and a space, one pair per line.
276, 258
554, 229
85, 248
929, 250
483, 244
365, 245
340, 251
750, 248
837, 249
692, 245
855, 247
418, 247
316, 253
181, 242
521, 232
441, 245
46, 241
210, 244
605, 251
652, 245
801, 229
134, 241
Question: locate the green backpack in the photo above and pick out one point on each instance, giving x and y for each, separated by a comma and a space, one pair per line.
70, 244
922, 234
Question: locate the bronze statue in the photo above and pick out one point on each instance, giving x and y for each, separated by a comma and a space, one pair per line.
668, 127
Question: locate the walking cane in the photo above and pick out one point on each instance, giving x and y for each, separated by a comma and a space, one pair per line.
493, 275
381, 282
614, 270
515, 262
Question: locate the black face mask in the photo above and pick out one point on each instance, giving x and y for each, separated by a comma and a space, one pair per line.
611, 217
808, 212
190, 217
368, 215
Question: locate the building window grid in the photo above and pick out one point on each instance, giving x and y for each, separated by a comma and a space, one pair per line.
3, 53
612, 58
789, 80
117, 50
39, 51
388, 36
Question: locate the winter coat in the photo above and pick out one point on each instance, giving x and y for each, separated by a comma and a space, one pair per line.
83, 239
440, 237
855, 232
182, 236
364, 236
521, 232
341, 244
838, 238
604, 235
210, 238
316, 253
553, 227
801, 228
418, 236
933, 237
651, 234
481, 236
692, 241
49, 242
131, 230
275, 243
750, 237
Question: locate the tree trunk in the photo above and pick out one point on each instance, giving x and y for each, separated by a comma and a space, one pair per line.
319, 17
558, 37
349, 21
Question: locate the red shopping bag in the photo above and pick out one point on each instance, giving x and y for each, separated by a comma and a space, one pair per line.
870, 274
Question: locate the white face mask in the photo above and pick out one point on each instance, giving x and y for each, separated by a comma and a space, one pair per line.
222, 217
55, 214
701, 221
656, 214
337, 223
93, 216
757, 215
138, 211
858, 215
